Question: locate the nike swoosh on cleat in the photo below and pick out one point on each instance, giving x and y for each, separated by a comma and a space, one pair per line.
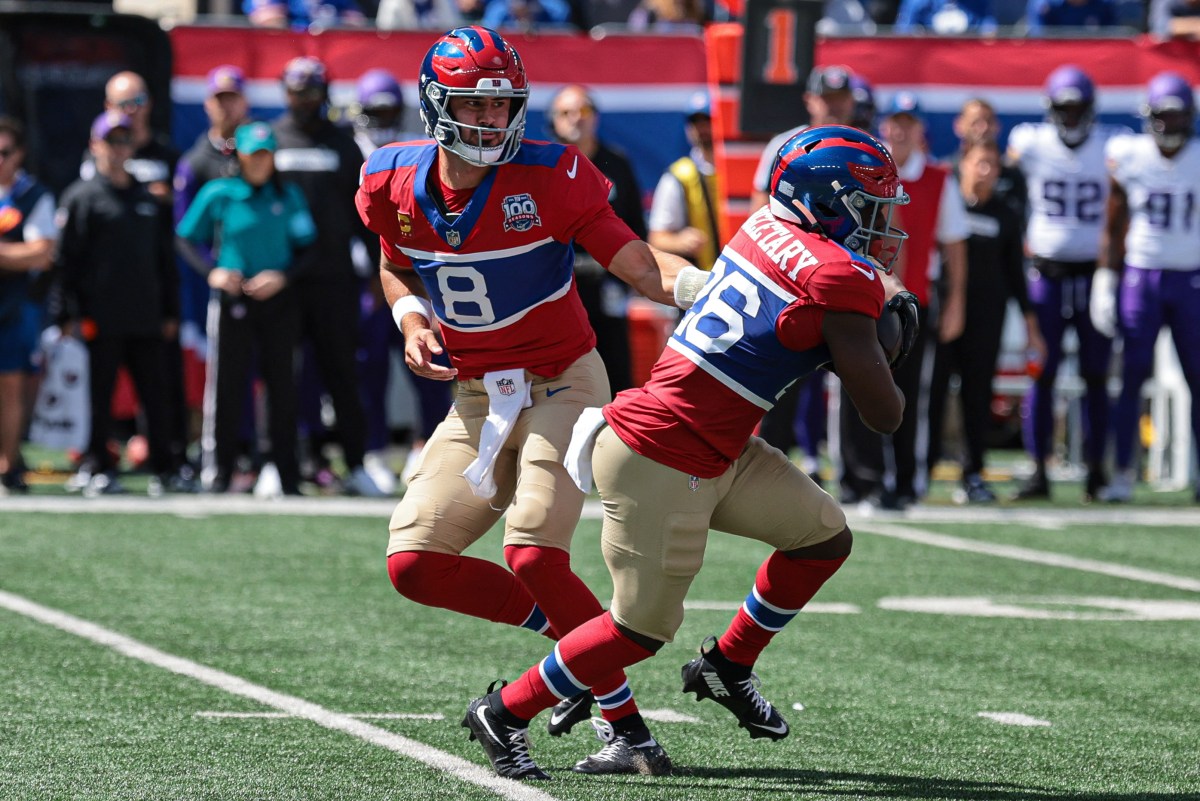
552, 392
780, 729
482, 717
556, 719
574, 164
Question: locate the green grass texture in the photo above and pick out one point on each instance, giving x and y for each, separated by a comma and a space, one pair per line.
883, 703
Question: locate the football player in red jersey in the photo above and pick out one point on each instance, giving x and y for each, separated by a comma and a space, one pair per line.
801, 285
476, 229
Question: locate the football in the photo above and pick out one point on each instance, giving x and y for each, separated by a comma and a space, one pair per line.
887, 329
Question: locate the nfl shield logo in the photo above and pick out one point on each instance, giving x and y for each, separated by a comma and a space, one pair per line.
453, 238
693, 483
506, 386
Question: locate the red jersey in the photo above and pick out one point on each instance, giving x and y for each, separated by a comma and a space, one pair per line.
753, 332
499, 274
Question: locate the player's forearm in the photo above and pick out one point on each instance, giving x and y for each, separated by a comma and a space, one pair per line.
398, 283
651, 272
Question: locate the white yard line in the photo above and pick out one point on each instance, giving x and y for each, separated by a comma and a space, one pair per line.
1013, 718
815, 606
290, 704
359, 715
1020, 554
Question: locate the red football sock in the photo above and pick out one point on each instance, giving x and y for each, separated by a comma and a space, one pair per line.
782, 588
567, 603
580, 660
463, 584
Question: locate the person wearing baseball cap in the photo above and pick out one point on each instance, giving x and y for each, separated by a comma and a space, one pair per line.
265, 233
683, 213
906, 103
324, 161
938, 229
829, 100
213, 155
120, 294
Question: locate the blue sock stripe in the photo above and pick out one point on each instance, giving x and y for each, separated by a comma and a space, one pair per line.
560, 681
617, 697
536, 620
771, 618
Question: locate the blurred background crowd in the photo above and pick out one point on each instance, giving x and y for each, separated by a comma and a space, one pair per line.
246, 249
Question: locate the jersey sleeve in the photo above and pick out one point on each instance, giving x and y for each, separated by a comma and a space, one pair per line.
587, 216
199, 223
845, 286
378, 211
799, 327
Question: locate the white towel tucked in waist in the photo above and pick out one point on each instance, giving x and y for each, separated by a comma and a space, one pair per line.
579, 453
508, 393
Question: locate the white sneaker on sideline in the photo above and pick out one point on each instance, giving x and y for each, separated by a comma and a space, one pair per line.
359, 483
268, 484
78, 481
377, 468
1120, 489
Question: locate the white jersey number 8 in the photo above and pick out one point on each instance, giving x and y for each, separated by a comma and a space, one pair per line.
716, 306
473, 298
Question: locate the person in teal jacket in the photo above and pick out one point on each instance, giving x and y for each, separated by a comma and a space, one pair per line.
259, 230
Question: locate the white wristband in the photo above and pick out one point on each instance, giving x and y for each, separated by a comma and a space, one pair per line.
411, 304
688, 285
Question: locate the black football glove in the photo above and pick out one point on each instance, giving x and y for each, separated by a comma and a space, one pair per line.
905, 305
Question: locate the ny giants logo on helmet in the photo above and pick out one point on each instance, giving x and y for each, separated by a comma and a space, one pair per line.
520, 212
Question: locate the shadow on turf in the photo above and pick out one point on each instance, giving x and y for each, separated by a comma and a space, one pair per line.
878, 785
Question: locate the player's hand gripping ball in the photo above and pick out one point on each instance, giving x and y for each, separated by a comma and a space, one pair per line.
897, 327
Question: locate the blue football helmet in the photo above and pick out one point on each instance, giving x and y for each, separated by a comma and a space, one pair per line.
842, 183
1170, 110
1071, 103
473, 62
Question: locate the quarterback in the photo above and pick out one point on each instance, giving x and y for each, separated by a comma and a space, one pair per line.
800, 286
477, 229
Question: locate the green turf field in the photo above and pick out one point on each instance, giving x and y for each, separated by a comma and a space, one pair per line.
267, 657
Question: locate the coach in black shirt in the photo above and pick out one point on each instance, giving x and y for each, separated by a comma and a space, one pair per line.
120, 291
325, 161
575, 121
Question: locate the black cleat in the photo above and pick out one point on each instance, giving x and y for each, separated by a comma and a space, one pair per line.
506, 746
740, 696
1036, 487
566, 714
621, 754
1096, 481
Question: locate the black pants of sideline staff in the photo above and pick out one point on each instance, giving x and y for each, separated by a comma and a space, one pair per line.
891, 469
329, 319
238, 330
143, 357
